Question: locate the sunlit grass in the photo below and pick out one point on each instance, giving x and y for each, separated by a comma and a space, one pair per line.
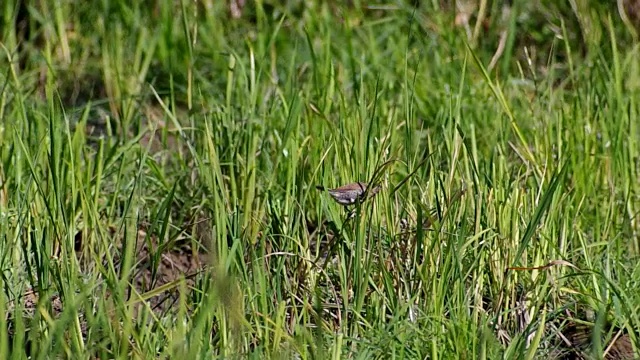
158, 173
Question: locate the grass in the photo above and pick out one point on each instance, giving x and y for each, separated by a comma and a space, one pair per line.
158, 165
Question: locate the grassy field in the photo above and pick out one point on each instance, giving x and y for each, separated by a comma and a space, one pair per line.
159, 164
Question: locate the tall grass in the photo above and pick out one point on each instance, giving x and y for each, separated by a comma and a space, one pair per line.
159, 163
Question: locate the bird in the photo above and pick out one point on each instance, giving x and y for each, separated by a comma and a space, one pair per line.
351, 193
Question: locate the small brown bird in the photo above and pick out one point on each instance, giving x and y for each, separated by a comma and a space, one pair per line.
351, 193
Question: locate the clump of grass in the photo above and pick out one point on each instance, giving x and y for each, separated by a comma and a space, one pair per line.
158, 167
